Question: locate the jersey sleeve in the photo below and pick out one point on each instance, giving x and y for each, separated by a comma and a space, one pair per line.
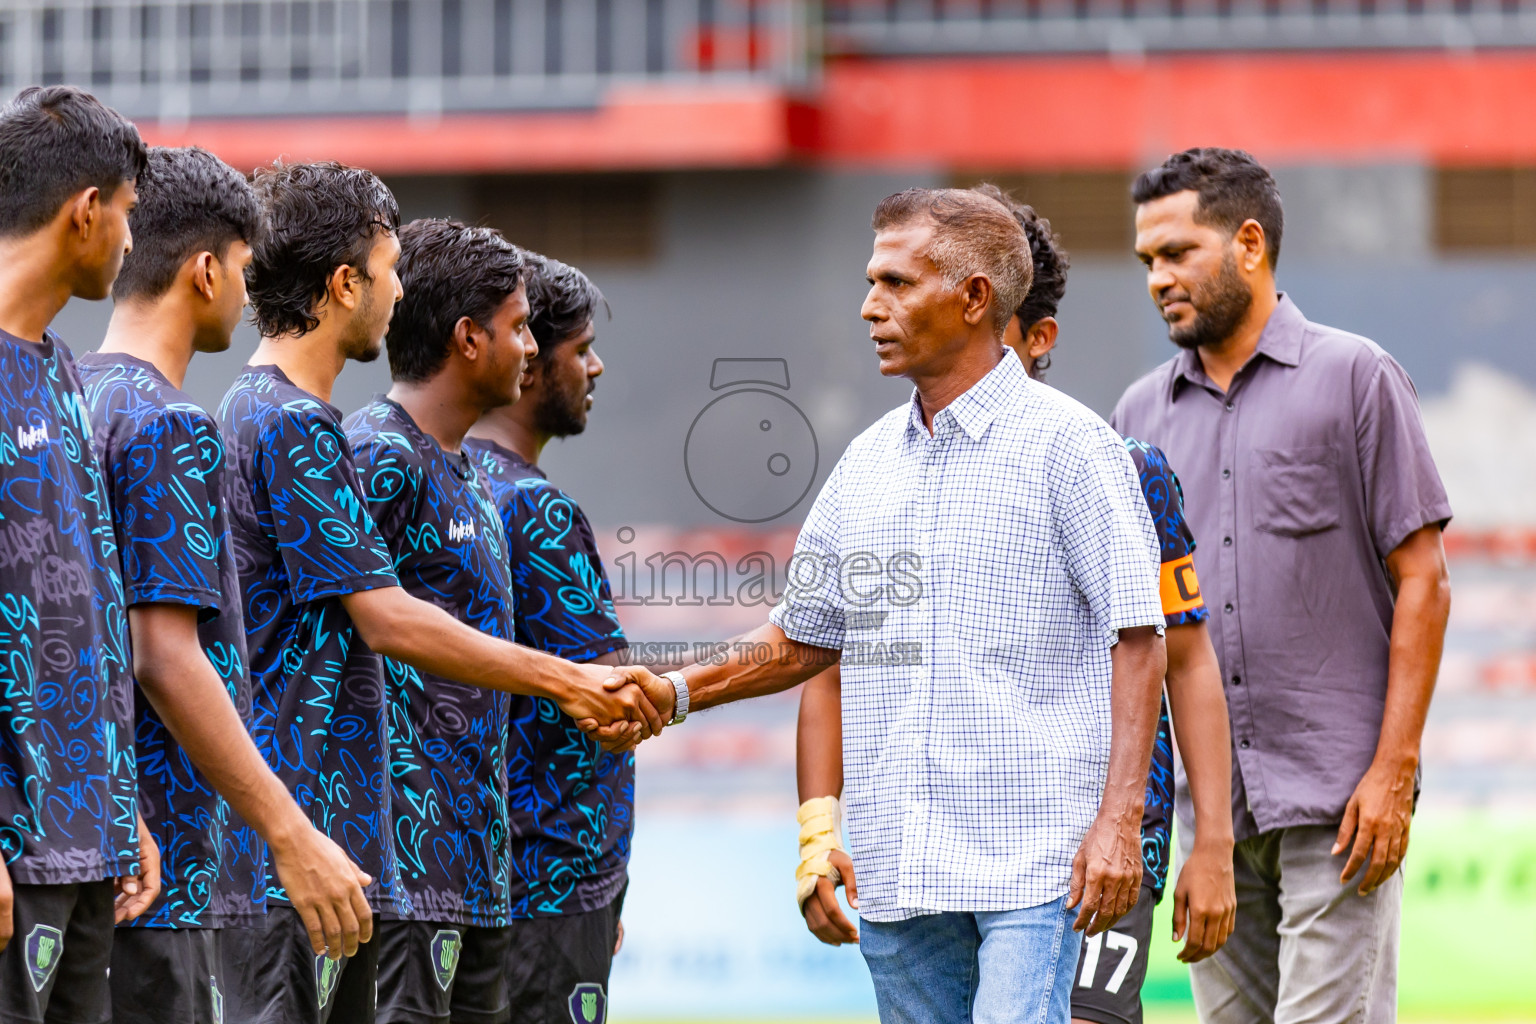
562, 599
1178, 586
390, 476
164, 514
326, 536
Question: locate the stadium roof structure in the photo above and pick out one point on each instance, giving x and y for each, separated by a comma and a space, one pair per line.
456, 86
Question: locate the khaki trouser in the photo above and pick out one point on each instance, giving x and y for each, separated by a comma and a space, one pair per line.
1306, 950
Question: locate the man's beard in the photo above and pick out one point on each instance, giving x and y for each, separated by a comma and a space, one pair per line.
362, 346
364, 350
563, 415
1219, 307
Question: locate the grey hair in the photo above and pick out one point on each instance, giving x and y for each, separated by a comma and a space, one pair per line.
973, 234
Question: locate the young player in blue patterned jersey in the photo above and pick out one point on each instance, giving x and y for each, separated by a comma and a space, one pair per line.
181, 291
457, 347
322, 599
571, 803
1111, 965
69, 830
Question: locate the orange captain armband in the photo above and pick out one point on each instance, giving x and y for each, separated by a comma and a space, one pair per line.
1179, 587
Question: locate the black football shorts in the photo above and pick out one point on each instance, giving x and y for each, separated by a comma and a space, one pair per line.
1112, 966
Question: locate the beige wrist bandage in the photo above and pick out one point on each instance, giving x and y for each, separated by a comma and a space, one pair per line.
821, 832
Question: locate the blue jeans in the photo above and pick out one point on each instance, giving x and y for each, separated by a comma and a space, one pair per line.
1013, 966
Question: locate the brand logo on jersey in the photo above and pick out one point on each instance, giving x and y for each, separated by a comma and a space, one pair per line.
461, 531
45, 944
28, 438
446, 945
327, 974
588, 1004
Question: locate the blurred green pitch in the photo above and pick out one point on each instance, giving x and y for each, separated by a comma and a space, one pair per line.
1469, 930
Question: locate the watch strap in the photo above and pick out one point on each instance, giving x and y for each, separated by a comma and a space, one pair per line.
680, 690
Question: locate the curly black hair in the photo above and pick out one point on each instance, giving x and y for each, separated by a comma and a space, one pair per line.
190, 201
1051, 261
55, 142
1233, 187
319, 216
447, 270
563, 299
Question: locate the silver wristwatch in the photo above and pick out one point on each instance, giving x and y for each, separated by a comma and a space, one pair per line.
680, 689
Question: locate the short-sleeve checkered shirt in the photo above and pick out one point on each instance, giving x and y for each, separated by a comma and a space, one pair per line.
975, 581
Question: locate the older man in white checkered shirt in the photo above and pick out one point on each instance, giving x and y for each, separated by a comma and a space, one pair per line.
982, 562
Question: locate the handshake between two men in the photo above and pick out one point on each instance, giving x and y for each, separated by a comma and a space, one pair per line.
632, 703
620, 705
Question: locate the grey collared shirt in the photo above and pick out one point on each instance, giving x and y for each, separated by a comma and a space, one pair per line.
1298, 482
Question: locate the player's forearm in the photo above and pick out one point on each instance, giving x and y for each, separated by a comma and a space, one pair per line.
740, 676
1423, 606
1139, 664
1418, 639
422, 635
1201, 727
186, 692
819, 737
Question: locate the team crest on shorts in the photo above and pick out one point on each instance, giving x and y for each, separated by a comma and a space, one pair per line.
45, 944
327, 974
588, 1004
446, 946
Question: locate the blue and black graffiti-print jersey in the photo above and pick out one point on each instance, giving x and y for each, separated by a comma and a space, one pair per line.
303, 539
1182, 606
67, 789
447, 740
572, 805
163, 462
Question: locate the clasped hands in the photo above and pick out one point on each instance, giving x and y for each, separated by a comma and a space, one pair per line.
621, 705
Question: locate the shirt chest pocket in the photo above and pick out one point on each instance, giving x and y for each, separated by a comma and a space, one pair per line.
1296, 492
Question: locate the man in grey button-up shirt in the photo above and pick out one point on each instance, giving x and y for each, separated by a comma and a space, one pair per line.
1319, 511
